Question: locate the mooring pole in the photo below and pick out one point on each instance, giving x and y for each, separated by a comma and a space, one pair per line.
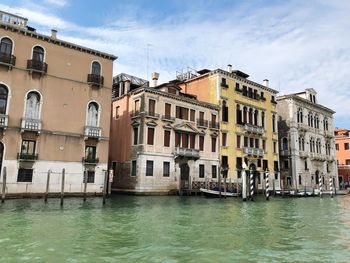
105, 187
85, 184
3, 193
47, 185
320, 185
251, 184
267, 185
110, 181
62, 185
331, 185
244, 183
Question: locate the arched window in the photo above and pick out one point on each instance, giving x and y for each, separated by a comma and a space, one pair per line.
224, 111
250, 116
311, 120
273, 123
3, 99
92, 115
238, 114
6, 47
325, 124
96, 68
263, 119
33, 106
244, 114
38, 54
256, 113
284, 144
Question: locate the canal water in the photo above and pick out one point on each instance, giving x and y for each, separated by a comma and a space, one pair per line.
176, 229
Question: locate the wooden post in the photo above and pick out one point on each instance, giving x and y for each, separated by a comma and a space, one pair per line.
47, 185
85, 184
105, 187
110, 181
219, 179
244, 186
62, 185
225, 186
3, 193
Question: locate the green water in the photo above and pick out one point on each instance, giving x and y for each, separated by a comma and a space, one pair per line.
176, 229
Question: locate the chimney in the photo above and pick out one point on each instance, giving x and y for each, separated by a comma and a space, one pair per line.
53, 33
127, 86
266, 82
155, 77
229, 68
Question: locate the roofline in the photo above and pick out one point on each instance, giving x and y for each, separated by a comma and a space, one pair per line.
56, 41
292, 96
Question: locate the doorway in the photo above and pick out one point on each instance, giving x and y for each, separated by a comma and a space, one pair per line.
185, 174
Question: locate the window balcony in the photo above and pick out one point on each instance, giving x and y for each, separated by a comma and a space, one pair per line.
224, 85
303, 154
284, 152
90, 160
135, 114
36, 66
3, 121
318, 157
253, 151
202, 123
330, 158
328, 134
151, 114
28, 124
95, 80
7, 60
186, 152
168, 118
303, 127
214, 125
27, 157
92, 132
254, 129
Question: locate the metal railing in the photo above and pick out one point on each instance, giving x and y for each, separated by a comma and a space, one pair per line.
151, 114
168, 118
135, 114
27, 156
202, 123
90, 160
95, 79
214, 125
7, 59
37, 65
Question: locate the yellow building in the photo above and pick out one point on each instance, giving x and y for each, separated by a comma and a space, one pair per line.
248, 121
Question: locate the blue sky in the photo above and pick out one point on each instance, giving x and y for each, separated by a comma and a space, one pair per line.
295, 44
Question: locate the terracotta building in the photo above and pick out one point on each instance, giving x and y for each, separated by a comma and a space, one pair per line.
55, 109
248, 121
306, 134
161, 139
342, 146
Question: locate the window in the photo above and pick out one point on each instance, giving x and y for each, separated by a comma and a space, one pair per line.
250, 116
286, 164
149, 168
167, 110
238, 141
274, 147
238, 115
166, 138
184, 139
214, 171
5, 47
3, 99
264, 145
256, 113
246, 141
38, 54
181, 113
192, 115
92, 117
166, 169
33, 105
237, 87
224, 139
133, 168
265, 165
256, 143
346, 146
239, 163
263, 119
25, 175
28, 149
284, 144
90, 154
244, 90
275, 166
347, 162
201, 171
224, 161
177, 139
305, 165
251, 142
117, 112
223, 83
245, 114
96, 68
300, 179
151, 107
137, 106
224, 111
337, 146
201, 116
201, 143
192, 141
136, 135
213, 144
150, 136
273, 123
90, 176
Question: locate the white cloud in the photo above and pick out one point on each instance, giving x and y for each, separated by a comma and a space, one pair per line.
59, 3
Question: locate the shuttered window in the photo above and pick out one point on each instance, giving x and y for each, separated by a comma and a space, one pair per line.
150, 136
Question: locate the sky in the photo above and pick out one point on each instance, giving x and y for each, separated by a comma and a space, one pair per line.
296, 44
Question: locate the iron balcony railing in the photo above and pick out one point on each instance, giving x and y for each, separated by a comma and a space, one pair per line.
135, 114
224, 85
37, 65
254, 129
92, 132
7, 59
168, 118
253, 151
151, 114
90, 160
3, 121
202, 123
214, 125
27, 156
31, 124
186, 152
94, 79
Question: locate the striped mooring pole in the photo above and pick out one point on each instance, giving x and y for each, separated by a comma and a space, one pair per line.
251, 185
267, 185
320, 185
331, 186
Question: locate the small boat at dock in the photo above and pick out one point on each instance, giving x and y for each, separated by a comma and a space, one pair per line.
215, 192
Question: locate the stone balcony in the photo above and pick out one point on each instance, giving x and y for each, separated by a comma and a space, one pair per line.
186, 152
253, 129
328, 134
284, 152
253, 151
28, 124
303, 127
92, 132
3, 121
303, 154
317, 157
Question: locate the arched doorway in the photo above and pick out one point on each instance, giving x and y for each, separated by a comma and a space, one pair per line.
185, 174
317, 177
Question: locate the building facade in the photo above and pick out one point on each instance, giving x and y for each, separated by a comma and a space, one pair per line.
248, 121
161, 140
55, 110
342, 146
306, 135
